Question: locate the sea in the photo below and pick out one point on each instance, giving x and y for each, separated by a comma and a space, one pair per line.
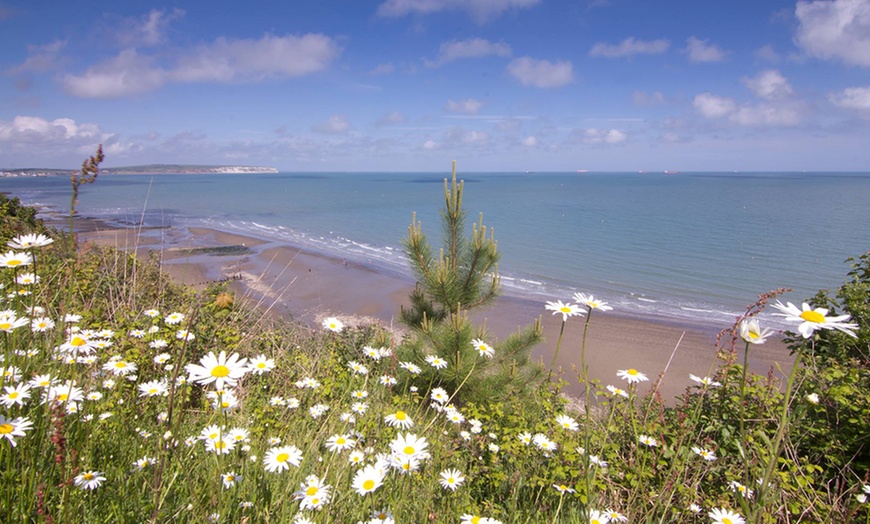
688, 247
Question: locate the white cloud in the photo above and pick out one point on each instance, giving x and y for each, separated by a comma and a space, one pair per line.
40, 58
62, 131
430, 145
852, 98
701, 51
835, 29
712, 106
769, 84
603, 136
468, 106
530, 141
767, 53
335, 125
149, 30
541, 73
630, 47
225, 60
392, 119
772, 115
383, 69
472, 48
480, 10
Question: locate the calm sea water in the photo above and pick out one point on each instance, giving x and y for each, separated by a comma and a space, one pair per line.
692, 246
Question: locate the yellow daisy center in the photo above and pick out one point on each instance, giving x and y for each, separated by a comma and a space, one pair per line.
632, 372
451, 480
62, 396
565, 309
14, 394
563, 487
120, 364
813, 316
475, 520
400, 415
220, 444
726, 520
13, 262
6, 325
5, 429
88, 476
261, 365
220, 371
594, 521
409, 450
406, 466
230, 478
312, 490
368, 484
77, 341
753, 335
340, 440
283, 457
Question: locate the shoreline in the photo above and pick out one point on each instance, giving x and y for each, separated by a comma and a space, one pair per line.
292, 281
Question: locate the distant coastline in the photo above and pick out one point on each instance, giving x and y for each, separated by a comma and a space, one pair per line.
150, 169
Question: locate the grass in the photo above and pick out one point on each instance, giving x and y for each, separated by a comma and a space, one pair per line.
115, 426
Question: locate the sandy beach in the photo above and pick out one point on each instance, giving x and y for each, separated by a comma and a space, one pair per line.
293, 282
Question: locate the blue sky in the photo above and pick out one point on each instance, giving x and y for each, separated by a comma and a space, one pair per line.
409, 85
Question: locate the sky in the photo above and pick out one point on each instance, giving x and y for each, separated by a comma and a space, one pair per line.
409, 85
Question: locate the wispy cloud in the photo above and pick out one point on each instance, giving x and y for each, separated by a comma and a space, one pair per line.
468, 106
383, 69
335, 125
769, 84
716, 107
480, 10
471, 48
703, 51
40, 58
630, 47
838, 29
541, 73
225, 60
148, 30
852, 98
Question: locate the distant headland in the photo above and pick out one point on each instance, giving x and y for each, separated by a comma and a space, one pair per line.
150, 169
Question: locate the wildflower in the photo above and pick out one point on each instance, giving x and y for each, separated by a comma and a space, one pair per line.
12, 259
314, 493
590, 302
596, 460
10, 321
214, 517
158, 344
813, 398
409, 445
174, 318
525, 438
439, 395
357, 368
89, 480
15, 395
162, 358
144, 462
381, 516
220, 370
617, 391
120, 367
184, 334
706, 454
340, 443
740, 488
483, 349
280, 458
725, 516
372, 353
94, 395
367, 480
29, 241
647, 441
27, 279
631, 375
405, 465
317, 410
387, 380
399, 419
356, 457
359, 407
694, 508
436, 362
596, 517
72, 317
410, 367
751, 332
567, 309
154, 388
455, 416
261, 364
307, 383
451, 479
359, 393
493, 447
333, 324
11, 428
385, 352
66, 392
567, 422
153, 313
220, 446
224, 401
615, 516
706, 381
544, 444
230, 479
562, 488
813, 319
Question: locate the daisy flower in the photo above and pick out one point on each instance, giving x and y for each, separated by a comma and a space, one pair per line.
387, 380
566, 309
359, 407
405, 465
340, 443
382, 516
261, 364
119, 367
562, 488
220, 370
154, 388
737, 487
333, 324
567, 422
230, 479
144, 462
597, 517
399, 419
89, 480
646, 440
316, 411
751, 332
706, 454
367, 480
10, 321
359, 393
356, 457
451, 479
412, 368
315, 493
590, 302
280, 458
409, 445
13, 259
436, 362
357, 368
813, 319
27, 279
152, 313
706, 381
371, 352
137, 333
525, 438
596, 460
220, 446
15, 395
617, 391
453, 415
439, 395
631, 375
725, 516
29, 241
11, 428
238, 435
615, 516
174, 318
162, 358
483, 349
813, 398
